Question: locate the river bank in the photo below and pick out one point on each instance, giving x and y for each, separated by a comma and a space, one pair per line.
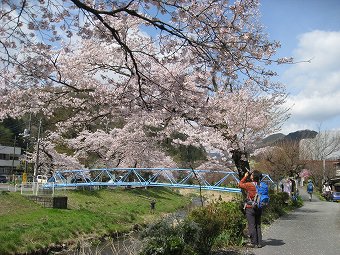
130, 243
28, 228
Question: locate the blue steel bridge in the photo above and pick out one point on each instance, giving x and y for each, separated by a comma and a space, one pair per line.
215, 180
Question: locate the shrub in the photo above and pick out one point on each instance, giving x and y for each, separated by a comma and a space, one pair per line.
217, 224
234, 225
211, 222
220, 224
296, 203
280, 202
169, 238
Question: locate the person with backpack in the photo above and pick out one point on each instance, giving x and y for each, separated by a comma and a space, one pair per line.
254, 206
310, 188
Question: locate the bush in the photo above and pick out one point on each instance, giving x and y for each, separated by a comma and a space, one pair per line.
296, 203
234, 226
220, 224
280, 203
217, 224
170, 238
211, 221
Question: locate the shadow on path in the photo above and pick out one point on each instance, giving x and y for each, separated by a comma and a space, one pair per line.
247, 251
273, 242
296, 215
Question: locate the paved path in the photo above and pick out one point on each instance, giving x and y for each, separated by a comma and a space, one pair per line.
313, 229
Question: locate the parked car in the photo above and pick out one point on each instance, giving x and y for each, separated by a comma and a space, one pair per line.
3, 179
41, 178
336, 196
336, 193
80, 180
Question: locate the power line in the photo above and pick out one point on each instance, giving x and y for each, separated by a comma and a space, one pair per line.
18, 125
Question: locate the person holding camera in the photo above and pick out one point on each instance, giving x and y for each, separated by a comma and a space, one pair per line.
253, 215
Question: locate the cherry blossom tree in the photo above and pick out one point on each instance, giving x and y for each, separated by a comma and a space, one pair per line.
129, 146
200, 68
50, 159
222, 36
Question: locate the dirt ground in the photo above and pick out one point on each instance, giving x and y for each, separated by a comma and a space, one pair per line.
210, 196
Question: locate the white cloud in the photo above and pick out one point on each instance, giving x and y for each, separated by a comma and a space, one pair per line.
320, 44
316, 85
315, 106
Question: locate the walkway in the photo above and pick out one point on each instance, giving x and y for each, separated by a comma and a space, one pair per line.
313, 229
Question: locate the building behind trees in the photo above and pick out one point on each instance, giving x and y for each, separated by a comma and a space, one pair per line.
9, 159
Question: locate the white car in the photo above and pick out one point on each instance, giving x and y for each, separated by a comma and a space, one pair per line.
41, 178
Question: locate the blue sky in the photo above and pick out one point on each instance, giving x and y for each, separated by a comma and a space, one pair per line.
307, 30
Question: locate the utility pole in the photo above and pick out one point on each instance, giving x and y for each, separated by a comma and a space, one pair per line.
37, 157
27, 135
324, 169
15, 142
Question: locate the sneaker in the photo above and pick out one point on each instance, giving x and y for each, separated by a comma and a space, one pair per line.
259, 246
250, 245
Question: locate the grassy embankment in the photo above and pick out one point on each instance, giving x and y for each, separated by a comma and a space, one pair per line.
26, 226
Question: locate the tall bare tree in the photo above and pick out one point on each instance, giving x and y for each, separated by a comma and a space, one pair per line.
325, 146
281, 160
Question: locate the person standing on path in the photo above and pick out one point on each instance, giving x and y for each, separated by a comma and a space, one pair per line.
313, 229
253, 215
310, 188
287, 187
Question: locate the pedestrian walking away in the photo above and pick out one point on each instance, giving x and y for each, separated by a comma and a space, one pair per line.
310, 188
253, 215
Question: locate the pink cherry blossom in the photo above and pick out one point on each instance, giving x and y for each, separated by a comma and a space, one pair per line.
123, 76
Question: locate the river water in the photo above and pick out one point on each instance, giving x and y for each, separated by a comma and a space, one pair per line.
124, 245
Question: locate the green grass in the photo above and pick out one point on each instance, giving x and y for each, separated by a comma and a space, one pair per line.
26, 226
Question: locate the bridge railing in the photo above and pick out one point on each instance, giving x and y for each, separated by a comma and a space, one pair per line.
218, 180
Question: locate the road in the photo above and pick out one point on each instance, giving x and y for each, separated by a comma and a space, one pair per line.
313, 229
6, 187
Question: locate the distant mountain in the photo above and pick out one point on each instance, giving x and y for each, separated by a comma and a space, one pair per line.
269, 140
299, 135
294, 136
